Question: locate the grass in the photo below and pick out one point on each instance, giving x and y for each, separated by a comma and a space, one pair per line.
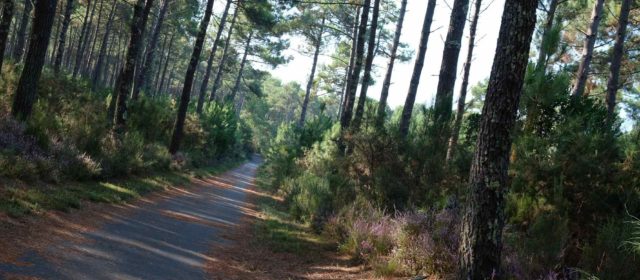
18, 200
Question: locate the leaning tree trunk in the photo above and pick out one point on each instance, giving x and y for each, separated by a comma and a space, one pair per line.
63, 36
5, 25
218, 80
232, 97
352, 60
587, 51
548, 26
305, 103
214, 49
142, 80
95, 76
447, 78
488, 181
27, 90
382, 104
21, 36
366, 78
354, 77
188, 81
84, 37
405, 119
125, 78
455, 133
616, 59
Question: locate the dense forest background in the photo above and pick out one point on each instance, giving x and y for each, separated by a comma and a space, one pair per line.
533, 173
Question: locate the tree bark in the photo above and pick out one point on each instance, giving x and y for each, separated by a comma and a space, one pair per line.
484, 219
27, 90
548, 26
84, 36
214, 49
616, 59
366, 78
455, 133
178, 132
90, 56
166, 65
232, 97
63, 36
318, 45
382, 104
5, 24
95, 77
142, 81
21, 36
352, 60
587, 51
125, 78
447, 79
225, 52
354, 77
405, 119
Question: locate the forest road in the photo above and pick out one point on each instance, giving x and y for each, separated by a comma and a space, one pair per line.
167, 239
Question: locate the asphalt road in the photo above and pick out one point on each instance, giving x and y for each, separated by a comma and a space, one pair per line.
164, 240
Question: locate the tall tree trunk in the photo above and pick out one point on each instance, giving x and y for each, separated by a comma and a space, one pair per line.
90, 56
382, 104
354, 77
166, 65
366, 78
188, 81
27, 90
125, 78
488, 181
63, 36
352, 60
97, 71
214, 49
405, 119
57, 35
142, 81
318, 45
5, 24
70, 47
587, 50
455, 133
158, 72
84, 36
225, 52
21, 36
447, 78
232, 97
616, 58
548, 26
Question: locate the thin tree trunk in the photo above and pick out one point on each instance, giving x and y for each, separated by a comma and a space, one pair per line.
548, 26
455, 133
89, 58
166, 65
484, 216
232, 97
56, 36
225, 52
142, 81
5, 24
27, 90
84, 36
366, 78
616, 59
125, 78
382, 104
587, 51
352, 82
103, 49
407, 111
352, 60
156, 77
178, 132
447, 78
21, 36
305, 103
63, 36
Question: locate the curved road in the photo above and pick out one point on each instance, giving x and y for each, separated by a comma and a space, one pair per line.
165, 240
